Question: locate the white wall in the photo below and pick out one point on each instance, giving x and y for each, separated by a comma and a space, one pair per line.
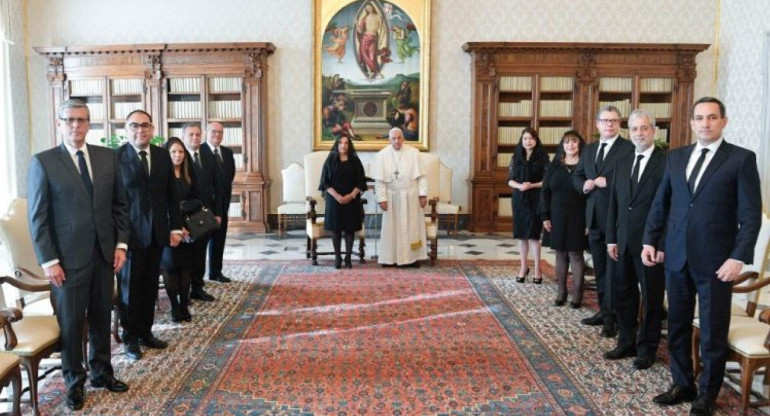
288, 24
744, 30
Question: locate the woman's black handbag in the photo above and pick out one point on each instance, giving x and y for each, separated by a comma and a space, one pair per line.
200, 224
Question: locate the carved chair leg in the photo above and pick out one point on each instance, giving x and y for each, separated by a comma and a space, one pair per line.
361, 252
696, 352
747, 376
16, 385
308, 248
32, 367
314, 250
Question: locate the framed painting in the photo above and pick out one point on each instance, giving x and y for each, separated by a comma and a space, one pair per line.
371, 71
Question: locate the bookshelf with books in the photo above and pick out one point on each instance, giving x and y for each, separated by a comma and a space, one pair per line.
177, 84
556, 87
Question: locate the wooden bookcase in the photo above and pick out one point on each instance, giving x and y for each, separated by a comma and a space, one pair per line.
177, 84
555, 87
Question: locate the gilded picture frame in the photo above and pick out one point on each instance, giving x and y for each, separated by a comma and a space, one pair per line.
371, 71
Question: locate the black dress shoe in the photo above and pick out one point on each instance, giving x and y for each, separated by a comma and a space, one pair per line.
201, 295
220, 278
644, 362
151, 341
574, 305
110, 383
132, 350
76, 397
596, 320
675, 395
620, 352
609, 330
558, 302
702, 406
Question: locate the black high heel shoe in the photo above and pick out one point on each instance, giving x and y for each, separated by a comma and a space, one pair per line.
338, 262
522, 279
348, 264
537, 280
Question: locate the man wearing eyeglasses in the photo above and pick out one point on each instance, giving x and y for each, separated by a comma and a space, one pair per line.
224, 163
156, 221
593, 177
79, 225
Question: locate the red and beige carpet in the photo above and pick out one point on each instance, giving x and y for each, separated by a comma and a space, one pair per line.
461, 338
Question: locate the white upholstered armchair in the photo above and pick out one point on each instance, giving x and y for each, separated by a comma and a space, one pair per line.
294, 207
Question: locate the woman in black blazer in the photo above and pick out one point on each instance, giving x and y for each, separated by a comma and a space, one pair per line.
563, 210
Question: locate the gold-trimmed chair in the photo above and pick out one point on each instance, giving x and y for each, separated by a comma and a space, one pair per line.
37, 335
294, 207
314, 224
748, 339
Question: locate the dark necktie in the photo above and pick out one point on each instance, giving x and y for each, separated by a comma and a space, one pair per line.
635, 172
145, 164
696, 170
218, 157
600, 157
197, 160
84, 173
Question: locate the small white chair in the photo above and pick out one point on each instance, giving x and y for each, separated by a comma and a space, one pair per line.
448, 212
294, 207
314, 224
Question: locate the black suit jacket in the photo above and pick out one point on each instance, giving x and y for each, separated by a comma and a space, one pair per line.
64, 222
597, 201
153, 200
720, 221
627, 212
225, 173
207, 182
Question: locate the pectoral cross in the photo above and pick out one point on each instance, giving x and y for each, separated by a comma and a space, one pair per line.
396, 173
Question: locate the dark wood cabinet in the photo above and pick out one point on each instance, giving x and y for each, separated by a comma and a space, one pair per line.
555, 87
177, 84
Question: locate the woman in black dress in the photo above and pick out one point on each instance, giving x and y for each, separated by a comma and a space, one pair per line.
563, 210
177, 262
525, 176
342, 183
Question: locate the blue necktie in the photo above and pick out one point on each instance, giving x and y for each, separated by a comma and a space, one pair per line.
84, 173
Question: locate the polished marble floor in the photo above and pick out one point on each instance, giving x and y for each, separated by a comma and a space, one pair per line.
291, 246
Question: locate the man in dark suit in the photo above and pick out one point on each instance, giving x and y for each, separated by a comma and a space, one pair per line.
637, 176
593, 177
225, 168
209, 193
148, 178
709, 210
78, 219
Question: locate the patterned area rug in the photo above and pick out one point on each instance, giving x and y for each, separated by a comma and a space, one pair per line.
461, 338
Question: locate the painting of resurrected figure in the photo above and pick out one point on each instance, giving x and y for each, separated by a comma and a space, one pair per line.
370, 73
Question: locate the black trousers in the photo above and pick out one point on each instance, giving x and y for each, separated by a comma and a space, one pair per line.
603, 267
632, 275
198, 265
138, 291
216, 248
714, 298
86, 292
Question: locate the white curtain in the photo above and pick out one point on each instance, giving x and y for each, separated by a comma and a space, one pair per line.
8, 187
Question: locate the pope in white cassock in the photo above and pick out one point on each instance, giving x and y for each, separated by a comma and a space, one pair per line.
401, 189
